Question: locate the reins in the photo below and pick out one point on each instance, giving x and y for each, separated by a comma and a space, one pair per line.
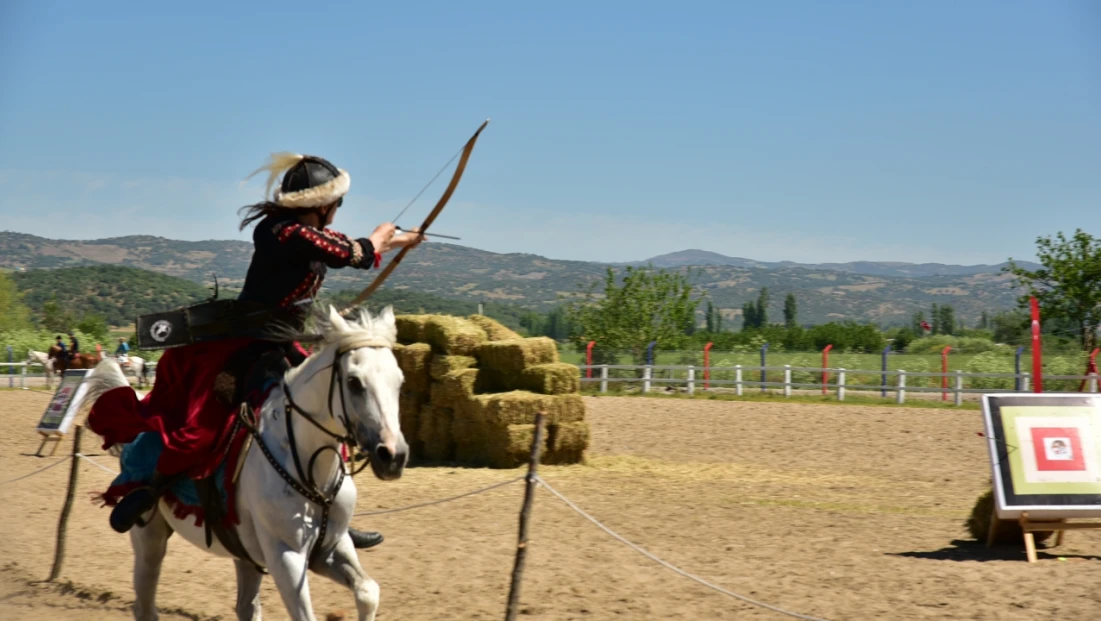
305, 483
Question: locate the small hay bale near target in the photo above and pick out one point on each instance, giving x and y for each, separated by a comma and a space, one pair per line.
453, 335
455, 388
494, 329
556, 378
1009, 531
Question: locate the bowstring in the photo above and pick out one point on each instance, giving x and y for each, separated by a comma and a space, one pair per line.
430, 182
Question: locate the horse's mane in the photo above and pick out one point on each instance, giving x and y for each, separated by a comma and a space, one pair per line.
361, 326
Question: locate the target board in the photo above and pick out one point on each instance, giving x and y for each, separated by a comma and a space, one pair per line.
1045, 454
63, 407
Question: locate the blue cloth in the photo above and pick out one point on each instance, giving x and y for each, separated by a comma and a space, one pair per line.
139, 460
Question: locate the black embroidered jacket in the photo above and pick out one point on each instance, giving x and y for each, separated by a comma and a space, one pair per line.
290, 259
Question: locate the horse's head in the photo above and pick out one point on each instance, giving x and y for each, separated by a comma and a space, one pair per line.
365, 385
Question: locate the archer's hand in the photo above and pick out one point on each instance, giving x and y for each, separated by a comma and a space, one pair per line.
409, 239
383, 237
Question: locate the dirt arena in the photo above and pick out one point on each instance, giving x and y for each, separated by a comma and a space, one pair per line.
840, 512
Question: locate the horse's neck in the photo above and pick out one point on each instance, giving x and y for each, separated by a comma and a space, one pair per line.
309, 387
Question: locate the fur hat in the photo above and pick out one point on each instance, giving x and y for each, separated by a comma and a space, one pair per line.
308, 181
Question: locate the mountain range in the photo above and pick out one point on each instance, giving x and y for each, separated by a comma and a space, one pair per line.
883, 292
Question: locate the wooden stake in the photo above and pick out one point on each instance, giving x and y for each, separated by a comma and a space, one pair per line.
62, 524
525, 513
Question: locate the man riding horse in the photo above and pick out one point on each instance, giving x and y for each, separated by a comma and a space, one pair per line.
199, 385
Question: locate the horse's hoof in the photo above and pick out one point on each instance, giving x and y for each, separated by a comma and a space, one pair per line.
362, 539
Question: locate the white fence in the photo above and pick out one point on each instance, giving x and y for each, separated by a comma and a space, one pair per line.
9, 367
693, 378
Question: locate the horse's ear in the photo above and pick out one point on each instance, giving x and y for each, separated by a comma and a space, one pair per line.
387, 315
336, 321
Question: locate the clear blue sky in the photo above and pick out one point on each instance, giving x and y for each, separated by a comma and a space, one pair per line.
810, 131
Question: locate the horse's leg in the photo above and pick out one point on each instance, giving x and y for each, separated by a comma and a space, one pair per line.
150, 542
248, 591
343, 568
288, 569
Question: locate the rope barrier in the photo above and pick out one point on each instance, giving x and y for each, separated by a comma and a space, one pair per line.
666, 564
39, 471
440, 501
97, 464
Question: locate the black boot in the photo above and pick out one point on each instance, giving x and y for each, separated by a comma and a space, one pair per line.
364, 539
138, 502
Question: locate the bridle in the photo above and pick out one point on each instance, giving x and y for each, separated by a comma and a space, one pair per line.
305, 484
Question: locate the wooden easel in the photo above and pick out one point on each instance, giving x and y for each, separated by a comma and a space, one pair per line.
1059, 525
49, 437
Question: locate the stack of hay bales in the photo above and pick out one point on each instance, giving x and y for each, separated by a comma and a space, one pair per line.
472, 390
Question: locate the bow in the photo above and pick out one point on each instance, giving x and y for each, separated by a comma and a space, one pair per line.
427, 221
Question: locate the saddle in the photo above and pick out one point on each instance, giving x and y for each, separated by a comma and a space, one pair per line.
215, 511
245, 378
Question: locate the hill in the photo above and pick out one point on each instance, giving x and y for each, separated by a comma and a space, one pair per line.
685, 258
122, 293
118, 293
518, 281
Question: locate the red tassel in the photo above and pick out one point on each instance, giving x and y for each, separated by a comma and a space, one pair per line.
378, 259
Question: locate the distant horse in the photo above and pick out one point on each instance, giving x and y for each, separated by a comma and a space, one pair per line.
80, 361
136, 366
42, 358
347, 392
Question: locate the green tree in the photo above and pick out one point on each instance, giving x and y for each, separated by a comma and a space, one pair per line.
749, 316
54, 318
946, 319
94, 325
762, 308
647, 306
916, 321
790, 311
14, 315
1068, 286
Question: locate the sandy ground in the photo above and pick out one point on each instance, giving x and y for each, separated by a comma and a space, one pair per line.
841, 512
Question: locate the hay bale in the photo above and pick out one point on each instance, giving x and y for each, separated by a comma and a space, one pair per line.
443, 365
434, 433
566, 443
453, 335
411, 328
471, 441
1009, 531
556, 378
503, 362
455, 388
494, 329
519, 407
414, 361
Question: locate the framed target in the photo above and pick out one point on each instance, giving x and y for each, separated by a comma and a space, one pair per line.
1045, 454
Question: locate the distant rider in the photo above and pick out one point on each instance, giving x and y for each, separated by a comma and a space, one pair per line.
122, 352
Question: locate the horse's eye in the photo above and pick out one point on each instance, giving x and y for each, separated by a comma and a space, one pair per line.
356, 385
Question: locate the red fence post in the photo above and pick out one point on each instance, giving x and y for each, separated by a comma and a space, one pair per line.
1037, 350
1091, 368
589, 359
707, 366
826, 365
944, 372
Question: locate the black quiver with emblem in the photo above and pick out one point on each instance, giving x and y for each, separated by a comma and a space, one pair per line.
214, 320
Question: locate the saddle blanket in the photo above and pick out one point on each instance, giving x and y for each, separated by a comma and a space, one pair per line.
139, 459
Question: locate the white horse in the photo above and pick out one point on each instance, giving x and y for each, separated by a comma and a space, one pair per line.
346, 391
136, 366
42, 358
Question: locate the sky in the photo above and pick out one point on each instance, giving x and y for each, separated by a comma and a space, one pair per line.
952, 132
